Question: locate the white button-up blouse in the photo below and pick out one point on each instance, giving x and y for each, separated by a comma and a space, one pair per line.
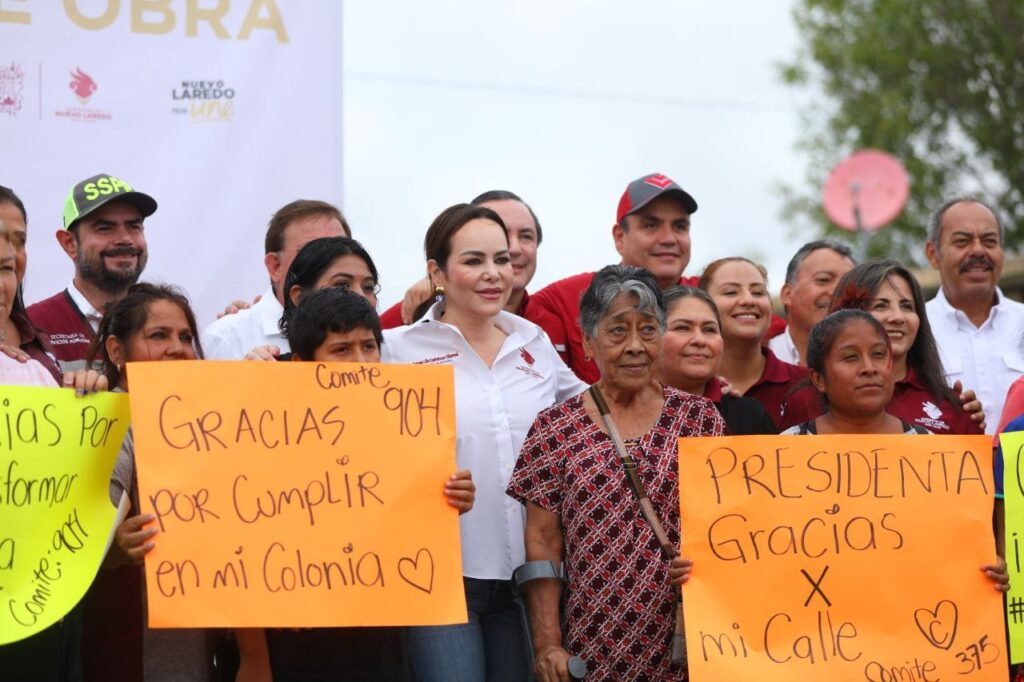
494, 409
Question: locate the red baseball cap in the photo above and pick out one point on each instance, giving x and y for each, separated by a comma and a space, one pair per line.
643, 191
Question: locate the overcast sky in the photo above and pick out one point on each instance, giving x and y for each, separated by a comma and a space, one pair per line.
564, 103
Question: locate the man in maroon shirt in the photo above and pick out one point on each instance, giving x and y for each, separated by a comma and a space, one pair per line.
103, 236
652, 231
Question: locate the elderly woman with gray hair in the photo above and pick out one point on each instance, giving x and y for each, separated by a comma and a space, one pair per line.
599, 479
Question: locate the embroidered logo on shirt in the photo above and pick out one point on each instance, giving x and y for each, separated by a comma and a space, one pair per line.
529, 371
526, 356
932, 425
438, 359
931, 409
58, 339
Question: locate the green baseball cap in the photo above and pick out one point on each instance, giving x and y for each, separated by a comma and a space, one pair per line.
93, 193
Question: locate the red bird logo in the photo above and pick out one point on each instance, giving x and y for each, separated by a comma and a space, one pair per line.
83, 85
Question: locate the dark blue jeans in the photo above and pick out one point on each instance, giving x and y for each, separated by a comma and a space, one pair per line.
489, 648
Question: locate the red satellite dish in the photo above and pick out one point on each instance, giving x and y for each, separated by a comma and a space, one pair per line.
866, 191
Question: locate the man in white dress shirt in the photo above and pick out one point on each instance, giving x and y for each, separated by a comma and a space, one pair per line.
291, 228
811, 278
977, 329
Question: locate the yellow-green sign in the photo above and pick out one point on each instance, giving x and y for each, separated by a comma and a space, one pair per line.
56, 455
1013, 491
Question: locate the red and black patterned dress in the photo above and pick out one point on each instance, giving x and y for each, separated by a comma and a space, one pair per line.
618, 604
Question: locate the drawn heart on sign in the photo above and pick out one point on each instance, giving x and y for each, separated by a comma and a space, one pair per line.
938, 625
418, 571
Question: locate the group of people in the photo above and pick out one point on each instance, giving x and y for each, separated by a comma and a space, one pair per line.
569, 405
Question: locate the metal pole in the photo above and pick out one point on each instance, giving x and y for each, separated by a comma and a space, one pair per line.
861, 249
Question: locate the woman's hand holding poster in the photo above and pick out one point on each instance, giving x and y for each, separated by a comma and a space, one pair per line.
840, 558
298, 494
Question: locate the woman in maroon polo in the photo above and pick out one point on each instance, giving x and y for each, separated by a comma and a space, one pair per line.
892, 295
739, 288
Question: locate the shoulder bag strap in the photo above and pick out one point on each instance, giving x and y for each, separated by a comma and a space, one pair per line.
678, 644
629, 466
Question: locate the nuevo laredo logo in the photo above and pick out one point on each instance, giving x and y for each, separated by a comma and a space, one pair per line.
12, 83
206, 101
84, 87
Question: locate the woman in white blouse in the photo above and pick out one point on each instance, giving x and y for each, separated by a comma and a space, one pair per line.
506, 371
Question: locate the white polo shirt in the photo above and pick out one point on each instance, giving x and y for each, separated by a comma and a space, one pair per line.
987, 358
784, 348
232, 336
494, 409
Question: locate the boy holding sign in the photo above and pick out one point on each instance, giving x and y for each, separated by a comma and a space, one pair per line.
335, 325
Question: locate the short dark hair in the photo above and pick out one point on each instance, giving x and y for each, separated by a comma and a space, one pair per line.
437, 244
310, 264
7, 196
505, 195
824, 334
679, 292
127, 316
810, 247
935, 224
329, 310
860, 285
297, 210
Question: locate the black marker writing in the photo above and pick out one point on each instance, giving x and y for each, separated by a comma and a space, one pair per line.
22, 426
289, 570
17, 491
349, 490
212, 430
412, 406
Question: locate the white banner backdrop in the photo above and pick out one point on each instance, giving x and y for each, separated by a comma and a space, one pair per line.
221, 110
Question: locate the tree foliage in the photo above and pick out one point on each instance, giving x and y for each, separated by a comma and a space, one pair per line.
937, 83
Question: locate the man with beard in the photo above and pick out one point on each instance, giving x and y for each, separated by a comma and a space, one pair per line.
977, 329
103, 235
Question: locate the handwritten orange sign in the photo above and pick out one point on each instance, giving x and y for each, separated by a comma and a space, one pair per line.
298, 494
840, 558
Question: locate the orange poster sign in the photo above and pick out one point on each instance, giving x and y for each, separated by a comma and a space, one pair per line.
298, 494
840, 558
